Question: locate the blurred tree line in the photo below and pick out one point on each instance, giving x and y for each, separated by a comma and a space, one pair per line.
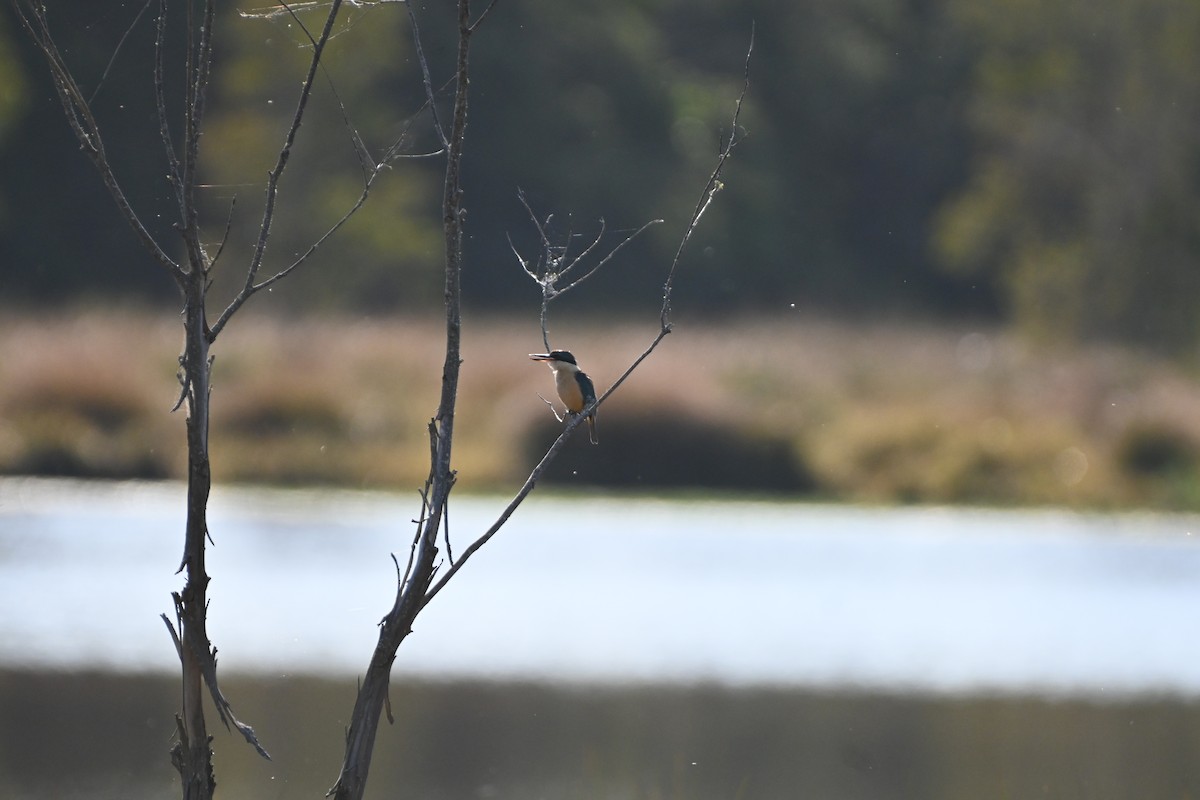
1034, 161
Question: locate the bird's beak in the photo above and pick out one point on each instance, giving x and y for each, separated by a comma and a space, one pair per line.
541, 357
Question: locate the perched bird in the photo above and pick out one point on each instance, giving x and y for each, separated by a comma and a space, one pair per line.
574, 387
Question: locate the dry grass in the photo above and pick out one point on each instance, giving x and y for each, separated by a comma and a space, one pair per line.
881, 413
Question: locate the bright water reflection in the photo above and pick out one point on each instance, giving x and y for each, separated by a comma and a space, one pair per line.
897, 599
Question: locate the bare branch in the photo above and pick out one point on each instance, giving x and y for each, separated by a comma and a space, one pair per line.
207, 659
396, 624
370, 178
426, 80
174, 635
566, 248
117, 51
611, 254
371, 172
546, 245
550, 269
446, 531
629, 371
479, 21
224, 236
512, 506
224, 709
272, 191
365, 162
285, 9
160, 103
521, 260
550, 405
312, 248
184, 385
573, 421
711, 188
199, 64
86, 128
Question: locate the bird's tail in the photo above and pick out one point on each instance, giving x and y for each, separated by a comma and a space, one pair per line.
591, 420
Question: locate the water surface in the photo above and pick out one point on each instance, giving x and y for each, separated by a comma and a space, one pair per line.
616, 589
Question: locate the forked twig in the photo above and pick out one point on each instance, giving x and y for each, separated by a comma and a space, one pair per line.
208, 668
550, 268
250, 286
371, 172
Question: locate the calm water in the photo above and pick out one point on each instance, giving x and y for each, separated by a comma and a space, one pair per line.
612, 590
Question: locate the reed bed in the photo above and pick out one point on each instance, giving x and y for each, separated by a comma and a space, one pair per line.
819, 408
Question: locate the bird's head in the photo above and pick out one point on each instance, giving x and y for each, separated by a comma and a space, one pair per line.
555, 356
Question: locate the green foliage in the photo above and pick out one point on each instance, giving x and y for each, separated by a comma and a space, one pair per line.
13, 86
382, 258
1038, 159
596, 109
1084, 203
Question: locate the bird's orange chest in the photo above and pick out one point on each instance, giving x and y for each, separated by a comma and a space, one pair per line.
568, 390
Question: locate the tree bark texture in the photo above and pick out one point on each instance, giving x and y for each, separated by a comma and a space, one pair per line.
411, 593
192, 754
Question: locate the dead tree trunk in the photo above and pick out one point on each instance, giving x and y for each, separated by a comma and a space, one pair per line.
415, 582
192, 753
416, 587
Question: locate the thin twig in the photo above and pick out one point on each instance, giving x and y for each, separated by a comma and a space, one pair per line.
425, 78
521, 259
479, 20
711, 188
564, 271
117, 50
225, 236
550, 403
611, 254
446, 531
207, 658
160, 104
360, 149
86, 129
271, 12
174, 635
573, 421
551, 269
272, 191
372, 172
199, 69
546, 247
402, 578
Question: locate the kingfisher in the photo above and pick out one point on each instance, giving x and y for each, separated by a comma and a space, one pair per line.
574, 387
